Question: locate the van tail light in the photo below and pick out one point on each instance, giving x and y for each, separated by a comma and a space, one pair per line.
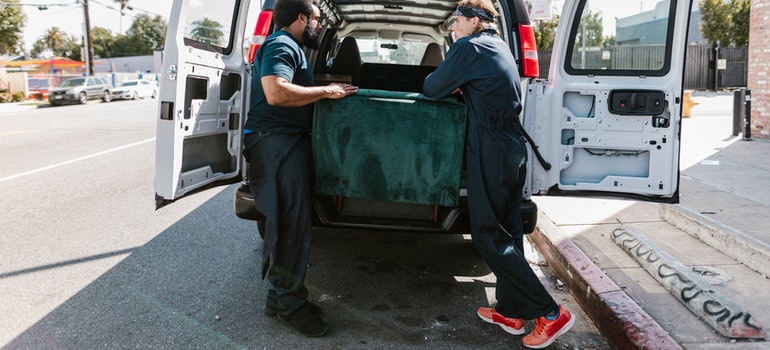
529, 65
261, 31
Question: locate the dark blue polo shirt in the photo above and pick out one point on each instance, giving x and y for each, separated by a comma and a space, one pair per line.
280, 55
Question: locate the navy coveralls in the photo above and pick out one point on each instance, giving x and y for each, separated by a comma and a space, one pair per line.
484, 68
277, 146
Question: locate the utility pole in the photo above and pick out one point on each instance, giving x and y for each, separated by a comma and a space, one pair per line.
122, 8
88, 47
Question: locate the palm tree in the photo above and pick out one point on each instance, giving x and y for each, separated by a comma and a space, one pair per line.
55, 39
208, 31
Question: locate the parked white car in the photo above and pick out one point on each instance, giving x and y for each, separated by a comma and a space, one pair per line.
134, 89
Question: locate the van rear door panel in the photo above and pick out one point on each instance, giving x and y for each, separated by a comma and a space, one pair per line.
202, 98
607, 119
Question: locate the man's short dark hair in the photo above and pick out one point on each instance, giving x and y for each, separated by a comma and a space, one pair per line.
285, 12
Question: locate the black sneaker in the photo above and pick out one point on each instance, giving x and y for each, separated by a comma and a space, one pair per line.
271, 310
306, 322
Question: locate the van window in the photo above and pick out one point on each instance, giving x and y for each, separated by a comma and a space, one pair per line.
391, 51
74, 82
209, 24
641, 44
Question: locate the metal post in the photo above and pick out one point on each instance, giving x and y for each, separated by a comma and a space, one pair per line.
747, 133
739, 112
716, 66
122, 8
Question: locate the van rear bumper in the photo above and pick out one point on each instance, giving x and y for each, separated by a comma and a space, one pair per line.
367, 214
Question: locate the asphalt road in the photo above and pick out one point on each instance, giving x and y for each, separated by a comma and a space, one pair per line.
87, 262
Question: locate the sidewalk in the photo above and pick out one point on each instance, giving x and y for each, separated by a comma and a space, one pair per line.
19, 107
717, 234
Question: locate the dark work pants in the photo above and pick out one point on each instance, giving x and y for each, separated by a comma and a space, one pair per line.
280, 177
496, 168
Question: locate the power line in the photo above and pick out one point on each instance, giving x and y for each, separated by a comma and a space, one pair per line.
129, 7
40, 7
45, 6
5, 3
122, 11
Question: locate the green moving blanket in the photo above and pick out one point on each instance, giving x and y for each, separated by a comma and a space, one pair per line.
389, 145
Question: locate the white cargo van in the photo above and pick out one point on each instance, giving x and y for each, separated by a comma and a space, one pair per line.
605, 121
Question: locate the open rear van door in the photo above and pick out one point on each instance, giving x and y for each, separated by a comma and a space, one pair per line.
203, 98
607, 119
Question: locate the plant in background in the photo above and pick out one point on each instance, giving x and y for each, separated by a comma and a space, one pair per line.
12, 20
725, 22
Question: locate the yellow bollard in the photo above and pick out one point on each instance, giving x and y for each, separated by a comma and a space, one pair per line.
687, 103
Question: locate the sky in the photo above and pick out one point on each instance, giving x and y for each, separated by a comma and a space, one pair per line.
68, 15
611, 9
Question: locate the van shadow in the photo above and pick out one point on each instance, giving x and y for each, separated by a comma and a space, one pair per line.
197, 285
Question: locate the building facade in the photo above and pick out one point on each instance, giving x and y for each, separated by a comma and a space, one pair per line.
648, 27
759, 66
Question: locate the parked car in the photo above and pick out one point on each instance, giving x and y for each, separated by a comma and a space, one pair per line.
605, 122
80, 90
134, 89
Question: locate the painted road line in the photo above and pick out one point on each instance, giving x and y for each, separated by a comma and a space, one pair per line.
57, 165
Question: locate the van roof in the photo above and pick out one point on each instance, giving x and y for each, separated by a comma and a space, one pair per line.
413, 12
432, 13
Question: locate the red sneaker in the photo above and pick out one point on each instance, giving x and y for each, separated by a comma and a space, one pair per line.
547, 331
514, 326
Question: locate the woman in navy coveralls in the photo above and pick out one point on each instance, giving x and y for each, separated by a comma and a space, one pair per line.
480, 66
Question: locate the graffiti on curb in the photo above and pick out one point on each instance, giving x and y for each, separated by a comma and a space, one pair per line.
721, 313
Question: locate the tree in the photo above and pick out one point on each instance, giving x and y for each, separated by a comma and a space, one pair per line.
71, 48
12, 21
38, 47
55, 40
207, 30
715, 21
591, 30
545, 33
123, 46
149, 32
102, 41
741, 21
58, 43
725, 22
609, 41
145, 35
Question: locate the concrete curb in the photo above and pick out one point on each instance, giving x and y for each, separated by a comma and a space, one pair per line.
616, 315
731, 242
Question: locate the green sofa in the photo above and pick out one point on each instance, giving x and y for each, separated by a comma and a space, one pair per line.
389, 145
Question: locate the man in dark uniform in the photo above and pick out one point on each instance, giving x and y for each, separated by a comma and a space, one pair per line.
480, 66
277, 143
